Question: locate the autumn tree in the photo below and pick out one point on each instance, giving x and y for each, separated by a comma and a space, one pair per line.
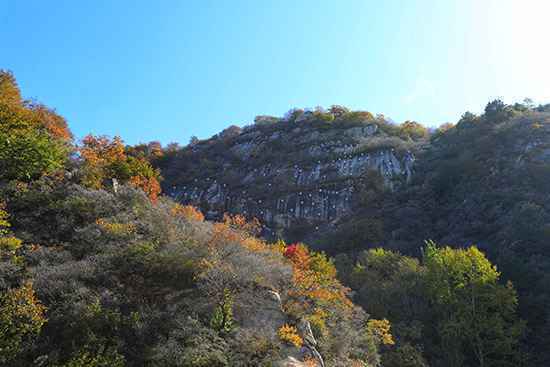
338, 111
21, 318
34, 140
104, 158
413, 130
151, 151
21, 313
316, 291
442, 129
187, 212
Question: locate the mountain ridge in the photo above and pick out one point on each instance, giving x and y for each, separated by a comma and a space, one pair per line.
483, 181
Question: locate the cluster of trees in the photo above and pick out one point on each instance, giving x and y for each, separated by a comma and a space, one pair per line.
342, 117
447, 309
97, 273
35, 141
105, 159
115, 279
98, 269
483, 181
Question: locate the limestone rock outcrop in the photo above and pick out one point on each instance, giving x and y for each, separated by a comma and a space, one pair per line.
289, 174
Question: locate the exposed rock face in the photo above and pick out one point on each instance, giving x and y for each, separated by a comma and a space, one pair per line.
289, 173
291, 362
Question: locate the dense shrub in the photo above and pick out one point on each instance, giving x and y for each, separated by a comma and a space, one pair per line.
114, 281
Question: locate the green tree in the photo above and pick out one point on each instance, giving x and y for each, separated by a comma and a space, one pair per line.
467, 119
222, 319
476, 315
33, 139
390, 286
27, 154
107, 358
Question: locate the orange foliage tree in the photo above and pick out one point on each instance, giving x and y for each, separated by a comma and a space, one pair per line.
316, 291
104, 158
34, 140
188, 212
239, 222
237, 229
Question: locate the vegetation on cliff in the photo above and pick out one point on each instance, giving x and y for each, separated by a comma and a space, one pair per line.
480, 181
483, 181
97, 268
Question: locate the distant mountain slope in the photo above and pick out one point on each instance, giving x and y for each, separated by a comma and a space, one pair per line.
296, 174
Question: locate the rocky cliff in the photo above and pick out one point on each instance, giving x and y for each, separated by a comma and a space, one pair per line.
291, 173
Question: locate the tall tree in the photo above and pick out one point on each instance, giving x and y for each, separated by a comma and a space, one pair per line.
34, 140
476, 315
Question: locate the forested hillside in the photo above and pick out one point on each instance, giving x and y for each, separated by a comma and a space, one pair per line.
347, 181
97, 269
247, 256
486, 182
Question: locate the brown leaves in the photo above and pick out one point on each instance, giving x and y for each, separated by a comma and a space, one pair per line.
188, 212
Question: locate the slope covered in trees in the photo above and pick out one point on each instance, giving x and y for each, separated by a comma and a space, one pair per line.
296, 174
482, 181
97, 268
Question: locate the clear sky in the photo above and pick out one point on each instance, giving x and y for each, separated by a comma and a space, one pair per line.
167, 70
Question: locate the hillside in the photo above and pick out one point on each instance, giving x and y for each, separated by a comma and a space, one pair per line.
297, 174
99, 267
350, 181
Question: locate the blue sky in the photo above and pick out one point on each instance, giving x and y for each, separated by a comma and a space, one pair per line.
167, 70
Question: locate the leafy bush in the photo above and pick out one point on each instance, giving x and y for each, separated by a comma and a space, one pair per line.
289, 334
21, 317
413, 130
